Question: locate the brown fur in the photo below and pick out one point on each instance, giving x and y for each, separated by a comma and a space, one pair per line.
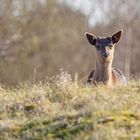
117, 78
104, 72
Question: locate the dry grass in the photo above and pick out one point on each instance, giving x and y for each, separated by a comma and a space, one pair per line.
64, 109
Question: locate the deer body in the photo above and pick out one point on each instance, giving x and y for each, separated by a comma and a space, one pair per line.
104, 72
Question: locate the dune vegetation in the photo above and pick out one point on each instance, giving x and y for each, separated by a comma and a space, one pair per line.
65, 109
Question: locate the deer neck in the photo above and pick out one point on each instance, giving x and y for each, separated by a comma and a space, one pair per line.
103, 72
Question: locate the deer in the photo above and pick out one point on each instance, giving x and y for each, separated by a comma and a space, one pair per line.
104, 73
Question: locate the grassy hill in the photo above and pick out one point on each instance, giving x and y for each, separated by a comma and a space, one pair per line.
66, 110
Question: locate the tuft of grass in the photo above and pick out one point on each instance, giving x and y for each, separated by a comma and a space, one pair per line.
65, 110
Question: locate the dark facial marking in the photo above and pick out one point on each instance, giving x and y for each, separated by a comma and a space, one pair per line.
103, 41
104, 44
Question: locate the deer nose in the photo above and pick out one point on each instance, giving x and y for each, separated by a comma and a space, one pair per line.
105, 54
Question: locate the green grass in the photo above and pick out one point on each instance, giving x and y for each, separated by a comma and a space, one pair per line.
66, 110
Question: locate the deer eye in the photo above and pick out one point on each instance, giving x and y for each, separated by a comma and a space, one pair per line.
98, 47
110, 46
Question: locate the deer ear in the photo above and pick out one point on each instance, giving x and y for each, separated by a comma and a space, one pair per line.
116, 37
91, 38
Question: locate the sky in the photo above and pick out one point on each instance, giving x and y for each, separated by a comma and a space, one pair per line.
89, 8
93, 9
96, 10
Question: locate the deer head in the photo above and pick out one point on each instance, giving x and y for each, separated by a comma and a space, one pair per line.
104, 45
